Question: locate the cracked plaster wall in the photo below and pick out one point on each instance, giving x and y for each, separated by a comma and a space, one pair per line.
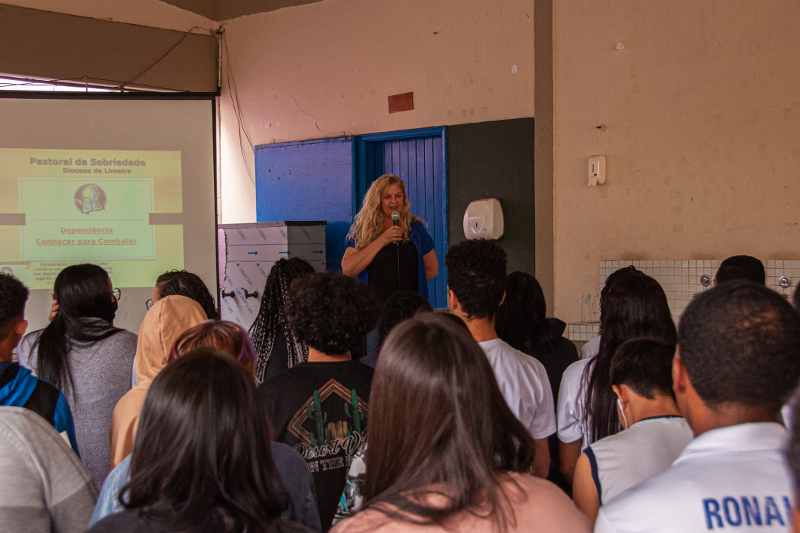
702, 137
326, 69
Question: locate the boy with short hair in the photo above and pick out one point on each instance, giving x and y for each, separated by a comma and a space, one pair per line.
18, 386
476, 274
321, 407
737, 362
654, 431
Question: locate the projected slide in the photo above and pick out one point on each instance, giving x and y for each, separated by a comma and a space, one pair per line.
119, 209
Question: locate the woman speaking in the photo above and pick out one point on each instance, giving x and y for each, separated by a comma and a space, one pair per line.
388, 248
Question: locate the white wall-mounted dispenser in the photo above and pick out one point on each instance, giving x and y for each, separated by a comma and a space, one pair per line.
483, 219
597, 170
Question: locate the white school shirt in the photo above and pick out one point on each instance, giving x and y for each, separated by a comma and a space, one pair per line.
733, 479
524, 385
571, 396
640, 452
591, 348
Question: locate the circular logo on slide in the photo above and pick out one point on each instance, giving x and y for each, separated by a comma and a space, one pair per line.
90, 197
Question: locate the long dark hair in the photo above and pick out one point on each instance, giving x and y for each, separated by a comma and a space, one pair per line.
202, 453
438, 419
635, 306
82, 292
271, 316
521, 317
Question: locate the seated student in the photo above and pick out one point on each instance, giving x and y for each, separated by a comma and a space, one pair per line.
399, 306
18, 386
445, 452
476, 276
523, 324
741, 268
229, 339
592, 347
164, 322
202, 460
654, 431
277, 349
183, 283
635, 306
737, 362
43, 484
793, 456
83, 354
320, 407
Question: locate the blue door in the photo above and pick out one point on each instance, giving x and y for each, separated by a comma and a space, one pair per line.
418, 157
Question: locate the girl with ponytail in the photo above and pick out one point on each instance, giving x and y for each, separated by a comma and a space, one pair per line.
84, 355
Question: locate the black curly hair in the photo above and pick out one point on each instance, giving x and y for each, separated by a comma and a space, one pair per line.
741, 267
183, 283
331, 313
13, 295
398, 307
740, 344
476, 273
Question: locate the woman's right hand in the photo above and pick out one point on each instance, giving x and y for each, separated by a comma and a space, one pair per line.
53, 308
393, 234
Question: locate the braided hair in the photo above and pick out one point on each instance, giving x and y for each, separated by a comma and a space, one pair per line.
271, 315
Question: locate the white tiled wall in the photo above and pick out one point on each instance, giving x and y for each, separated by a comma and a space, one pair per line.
680, 279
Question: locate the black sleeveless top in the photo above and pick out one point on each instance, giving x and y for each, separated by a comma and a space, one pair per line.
384, 276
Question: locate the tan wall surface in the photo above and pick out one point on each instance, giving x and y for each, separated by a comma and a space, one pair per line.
326, 69
703, 134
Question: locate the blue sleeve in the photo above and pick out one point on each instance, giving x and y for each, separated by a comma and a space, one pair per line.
426, 240
63, 422
349, 243
108, 501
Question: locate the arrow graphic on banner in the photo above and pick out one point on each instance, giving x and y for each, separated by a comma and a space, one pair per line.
252, 253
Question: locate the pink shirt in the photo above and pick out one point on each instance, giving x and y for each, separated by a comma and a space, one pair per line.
540, 507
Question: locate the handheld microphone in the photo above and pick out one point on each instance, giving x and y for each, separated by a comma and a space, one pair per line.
395, 218
396, 222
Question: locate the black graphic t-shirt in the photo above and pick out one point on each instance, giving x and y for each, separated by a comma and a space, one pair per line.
321, 410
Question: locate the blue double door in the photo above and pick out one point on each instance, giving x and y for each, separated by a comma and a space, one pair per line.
312, 186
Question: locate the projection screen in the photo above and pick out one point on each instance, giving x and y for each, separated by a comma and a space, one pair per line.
125, 183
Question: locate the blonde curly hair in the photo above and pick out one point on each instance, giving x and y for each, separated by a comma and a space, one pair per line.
368, 223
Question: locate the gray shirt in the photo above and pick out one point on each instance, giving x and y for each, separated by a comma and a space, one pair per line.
101, 374
43, 485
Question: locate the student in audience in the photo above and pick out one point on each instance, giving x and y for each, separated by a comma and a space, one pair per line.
476, 275
202, 460
445, 452
320, 407
398, 307
183, 283
18, 386
85, 356
164, 322
741, 268
635, 306
231, 340
43, 485
654, 431
737, 363
522, 323
591, 348
793, 456
276, 347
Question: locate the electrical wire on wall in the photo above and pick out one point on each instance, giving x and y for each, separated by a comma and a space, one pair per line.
237, 108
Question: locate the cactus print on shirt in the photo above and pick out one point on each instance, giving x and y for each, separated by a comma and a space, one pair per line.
321, 410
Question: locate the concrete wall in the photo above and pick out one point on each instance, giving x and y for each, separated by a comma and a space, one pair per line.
326, 69
702, 138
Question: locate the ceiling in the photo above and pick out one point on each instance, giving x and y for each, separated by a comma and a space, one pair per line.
220, 10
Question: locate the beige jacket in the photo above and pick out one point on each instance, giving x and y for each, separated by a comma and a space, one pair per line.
163, 323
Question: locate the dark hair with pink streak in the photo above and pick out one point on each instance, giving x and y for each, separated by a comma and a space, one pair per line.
220, 335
